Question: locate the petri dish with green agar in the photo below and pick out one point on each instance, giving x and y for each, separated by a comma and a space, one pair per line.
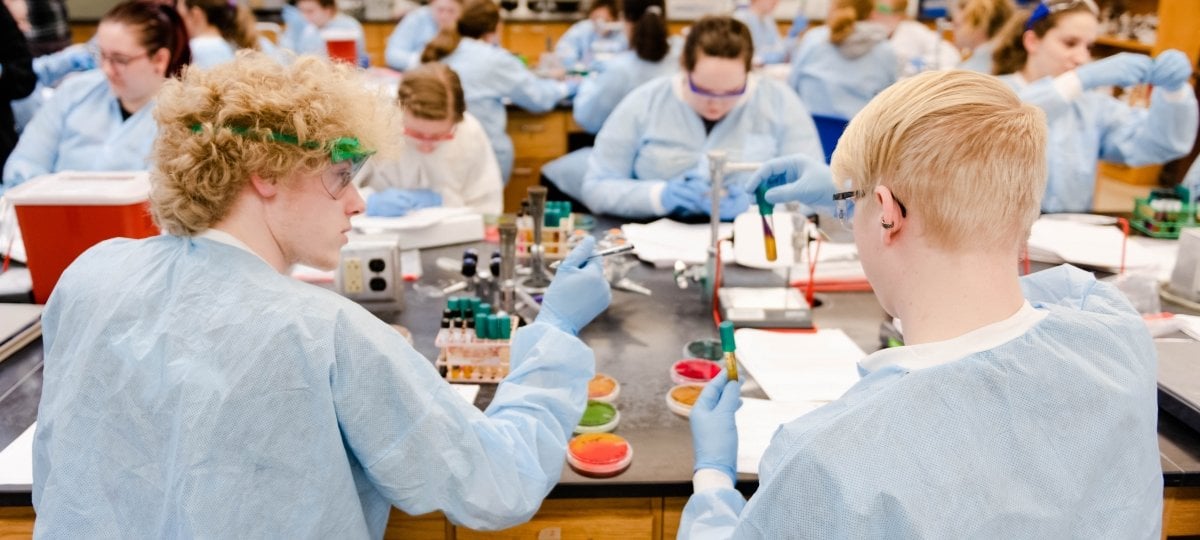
598, 417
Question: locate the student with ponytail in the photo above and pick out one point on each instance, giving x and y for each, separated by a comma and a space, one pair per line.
103, 120
839, 67
1045, 55
218, 28
652, 55
977, 26
491, 74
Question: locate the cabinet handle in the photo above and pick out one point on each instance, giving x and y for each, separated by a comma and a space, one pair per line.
522, 171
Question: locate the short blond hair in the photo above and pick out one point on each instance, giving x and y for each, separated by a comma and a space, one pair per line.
219, 126
959, 149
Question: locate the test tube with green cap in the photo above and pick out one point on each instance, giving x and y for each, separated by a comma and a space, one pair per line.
766, 209
729, 347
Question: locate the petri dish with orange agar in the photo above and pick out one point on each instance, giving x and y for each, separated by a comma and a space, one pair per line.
599, 455
603, 388
681, 398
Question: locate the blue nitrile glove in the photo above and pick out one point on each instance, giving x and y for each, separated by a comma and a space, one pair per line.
799, 24
1121, 69
394, 202
685, 196
1171, 70
578, 293
796, 178
572, 85
714, 431
735, 201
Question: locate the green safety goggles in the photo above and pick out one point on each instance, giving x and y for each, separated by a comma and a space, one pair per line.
341, 149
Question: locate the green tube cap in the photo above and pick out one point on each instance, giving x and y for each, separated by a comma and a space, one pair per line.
727, 344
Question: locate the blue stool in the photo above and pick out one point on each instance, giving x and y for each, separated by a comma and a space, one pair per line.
829, 129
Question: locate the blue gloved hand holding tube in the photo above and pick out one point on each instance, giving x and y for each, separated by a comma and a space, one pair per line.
714, 431
578, 293
685, 196
1171, 70
796, 178
1122, 69
394, 202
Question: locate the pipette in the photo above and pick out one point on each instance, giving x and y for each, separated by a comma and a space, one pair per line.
728, 347
615, 250
766, 211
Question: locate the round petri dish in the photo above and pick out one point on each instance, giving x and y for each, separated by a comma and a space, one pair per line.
680, 399
598, 417
603, 388
599, 455
694, 370
708, 349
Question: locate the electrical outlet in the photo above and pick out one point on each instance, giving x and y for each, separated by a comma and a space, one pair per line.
352, 278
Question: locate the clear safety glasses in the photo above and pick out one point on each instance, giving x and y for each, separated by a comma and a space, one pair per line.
844, 202
1050, 7
341, 150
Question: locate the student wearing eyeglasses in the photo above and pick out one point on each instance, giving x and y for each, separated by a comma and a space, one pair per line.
1018, 407
103, 120
445, 157
839, 67
649, 158
1045, 56
193, 389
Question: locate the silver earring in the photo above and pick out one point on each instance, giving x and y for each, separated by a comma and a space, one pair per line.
887, 225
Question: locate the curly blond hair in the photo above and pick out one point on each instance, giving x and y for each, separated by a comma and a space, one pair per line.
219, 126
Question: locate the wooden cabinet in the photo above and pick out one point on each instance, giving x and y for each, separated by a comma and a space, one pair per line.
1177, 20
632, 518
537, 139
531, 39
376, 34
16, 522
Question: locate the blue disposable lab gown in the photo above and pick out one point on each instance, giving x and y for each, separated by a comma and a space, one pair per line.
1049, 435
191, 391
654, 136
598, 95
584, 45
410, 37
838, 80
1098, 126
490, 75
302, 37
1192, 180
209, 51
981, 59
769, 46
80, 129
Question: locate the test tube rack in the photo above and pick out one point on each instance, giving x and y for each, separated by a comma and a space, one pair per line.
475, 343
557, 226
1165, 213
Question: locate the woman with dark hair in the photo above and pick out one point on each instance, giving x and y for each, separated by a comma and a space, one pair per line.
103, 120
218, 29
652, 55
1045, 55
589, 43
649, 156
491, 74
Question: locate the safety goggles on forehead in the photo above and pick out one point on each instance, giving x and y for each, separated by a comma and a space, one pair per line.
341, 149
1050, 7
844, 202
705, 93
425, 137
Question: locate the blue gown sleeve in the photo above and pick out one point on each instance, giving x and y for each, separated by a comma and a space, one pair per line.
711, 514
597, 97
609, 186
573, 44
402, 45
1161, 133
526, 90
37, 149
484, 470
797, 134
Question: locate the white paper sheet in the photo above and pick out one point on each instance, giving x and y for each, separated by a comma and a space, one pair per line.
1056, 239
467, 391
16, 460
757, 422
800, 366
663, 242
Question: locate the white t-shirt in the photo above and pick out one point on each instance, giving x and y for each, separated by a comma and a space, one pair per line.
462, 170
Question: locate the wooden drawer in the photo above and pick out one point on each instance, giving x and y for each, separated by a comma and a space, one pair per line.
16, 522
529, 39
423, 527
672, 511
538, 136
584, 518
526, 172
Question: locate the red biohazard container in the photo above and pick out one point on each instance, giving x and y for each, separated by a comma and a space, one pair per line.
62, 215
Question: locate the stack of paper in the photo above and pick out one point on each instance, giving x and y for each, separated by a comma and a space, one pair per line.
663, 242
16, 460
800, 366
1090, 243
